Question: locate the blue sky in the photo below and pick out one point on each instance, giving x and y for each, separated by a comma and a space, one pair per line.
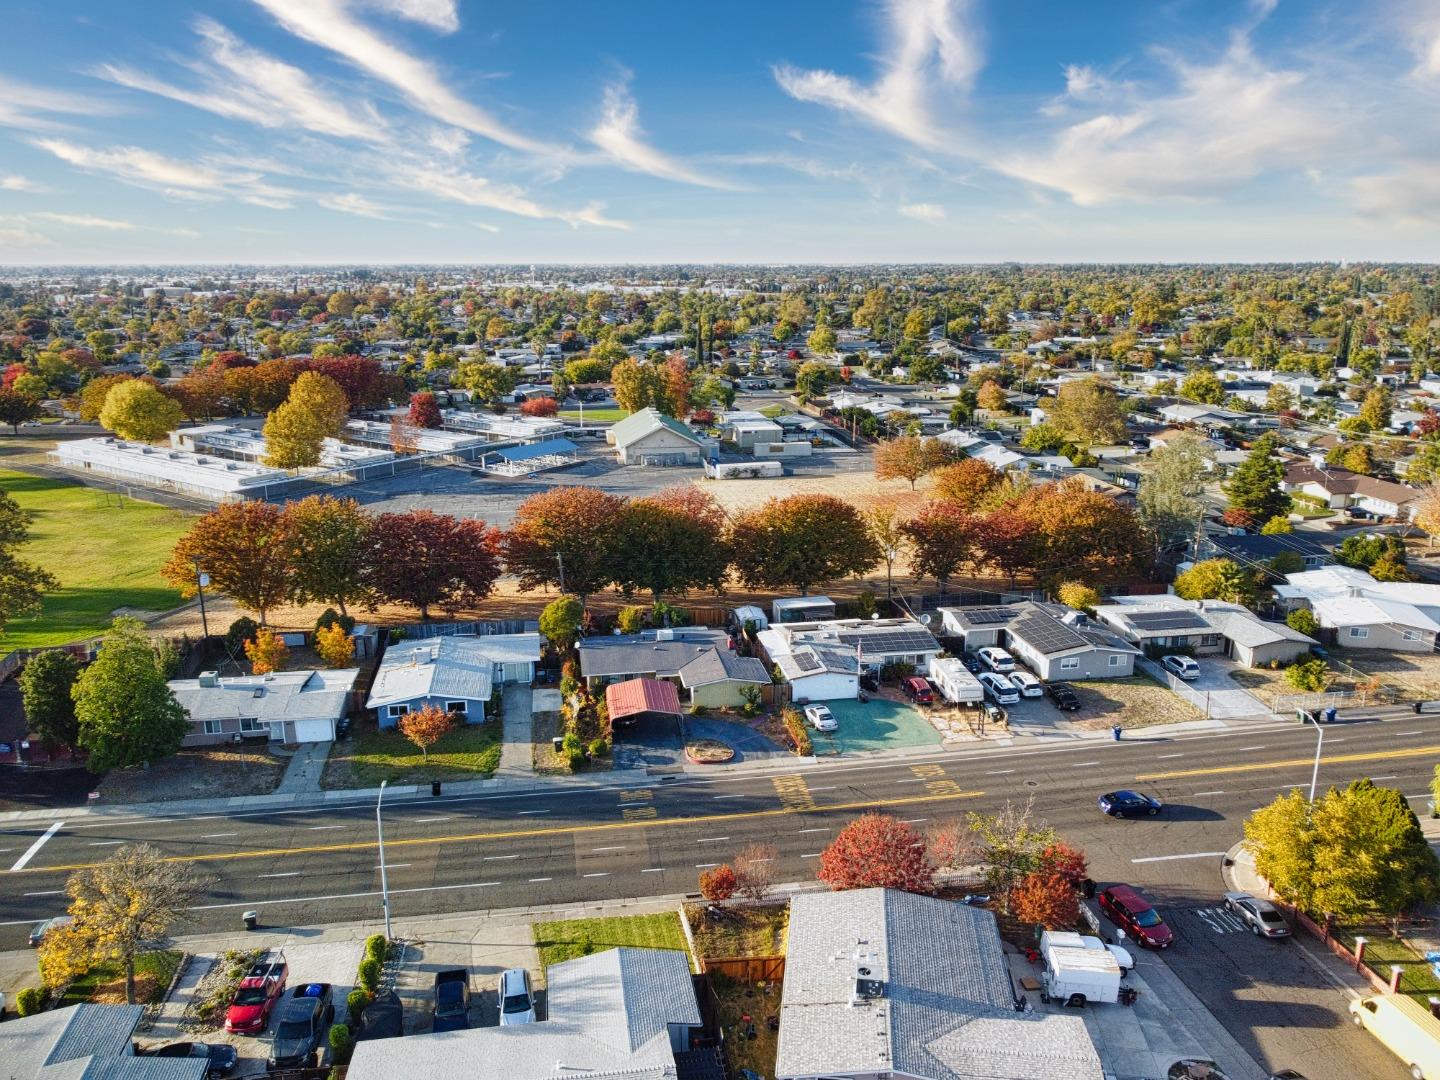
800, 130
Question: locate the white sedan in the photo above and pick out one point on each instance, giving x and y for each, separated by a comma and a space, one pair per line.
821, 718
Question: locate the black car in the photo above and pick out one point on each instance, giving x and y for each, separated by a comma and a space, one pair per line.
971, 662
1065, 698
222, 1056
342, 727
1129, 804
305, 1019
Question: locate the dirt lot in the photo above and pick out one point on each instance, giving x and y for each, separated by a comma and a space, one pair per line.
1399, 675
1132, 703
210, 772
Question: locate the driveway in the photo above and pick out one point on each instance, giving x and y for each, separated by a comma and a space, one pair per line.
485, 951
1215, 693
748, 744
654, 741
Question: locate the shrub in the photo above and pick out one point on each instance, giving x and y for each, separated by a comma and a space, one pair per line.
751, 700
599, 748
355, 1002
574, 750
340, 1042
1311, 675
369, 974
866, 603
630, 619
377, 947
329, 617
718, 883
30, 1001
795, 725
1303, 620
568, 685
896, 672
241, 630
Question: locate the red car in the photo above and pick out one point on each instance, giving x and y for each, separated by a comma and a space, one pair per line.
255, 997
917, 690
1130, 911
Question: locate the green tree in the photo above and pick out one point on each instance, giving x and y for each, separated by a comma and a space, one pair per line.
1217, 579
295, 432
1370, 855
126, 714
22, 584
1255, 484
812, 378
137, 410
801, 541
1203, 386
489, 382
560, 621
822, 341
45, 686
1303, 621
1089, 412
331, 540
637, 385
1310, 676
1375, 409
1043, 439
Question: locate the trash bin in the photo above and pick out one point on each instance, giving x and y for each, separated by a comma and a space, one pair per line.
1116, 731
1330, 715
434, 787
1087, 888
557, 743
252, 919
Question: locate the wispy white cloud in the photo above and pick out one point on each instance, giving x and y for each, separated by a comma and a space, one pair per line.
352, 203
618, 134
23, 238
240, 82
931, 44
32, 108
331, 25
181, 179
922, 211
85, 221
15, 182
458, 186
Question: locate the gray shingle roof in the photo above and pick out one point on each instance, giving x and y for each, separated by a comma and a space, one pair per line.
946, 1012
639, 424
643, 654
85, 1042
454, 666
718, 665
282, 695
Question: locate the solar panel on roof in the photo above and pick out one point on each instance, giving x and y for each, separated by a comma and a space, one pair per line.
1167, 620
987, 616
806, 662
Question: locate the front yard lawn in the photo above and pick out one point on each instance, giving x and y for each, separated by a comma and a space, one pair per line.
467, 752
1382, 951
599, 415
739, 931
565, 940
105, 549
105, 983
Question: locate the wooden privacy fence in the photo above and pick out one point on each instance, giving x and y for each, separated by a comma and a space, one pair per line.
751, 969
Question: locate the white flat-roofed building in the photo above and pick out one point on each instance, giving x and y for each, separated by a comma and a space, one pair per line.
424, 440
204, 476
496, 428
248, 444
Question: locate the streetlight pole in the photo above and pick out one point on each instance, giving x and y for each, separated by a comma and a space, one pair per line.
1319, 743
201, 580
384, 884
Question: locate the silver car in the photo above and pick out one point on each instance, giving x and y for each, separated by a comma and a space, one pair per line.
517, 1000
821, 718
1263, 917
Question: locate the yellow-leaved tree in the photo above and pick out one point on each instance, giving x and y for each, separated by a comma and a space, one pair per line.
295, 431
135, 409
334, 645
267, 652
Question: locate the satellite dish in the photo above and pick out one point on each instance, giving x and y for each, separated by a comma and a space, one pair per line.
925, 620
874, 615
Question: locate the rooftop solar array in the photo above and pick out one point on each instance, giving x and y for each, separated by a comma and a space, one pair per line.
987, 616
806, 661
1168, 620
1048, 635
889, 641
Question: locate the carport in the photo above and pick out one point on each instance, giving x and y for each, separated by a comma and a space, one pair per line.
645, 722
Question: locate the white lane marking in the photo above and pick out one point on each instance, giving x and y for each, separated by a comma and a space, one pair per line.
1402, 734
705, 865
814, 830
1394, 776
31, 851
612, 847
601, 874
217, 835
534, 811
1333, 741
913, 780
1199, 793
729, 796
912, 820
999, 772
394, 865
1244, 748
654, 870
535, 879
711, 839
1163, 757
321, 828
105, 843
422, 820
814, 855
1084, 764
1287, 787
288, 873
48, 892
1172, 858
498, 858
1422, 795
827, 787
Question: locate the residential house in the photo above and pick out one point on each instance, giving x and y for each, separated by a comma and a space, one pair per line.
456, 672
93, 1042
717, 679
619, 1013
653, 654
649, 437
824, 660
1249, 549
1053, 641
283, 706
1205, 416
880, 982
1363, 613
1161, 624
1341, 489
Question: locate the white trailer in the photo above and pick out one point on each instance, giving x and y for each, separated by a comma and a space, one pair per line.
1075, 974
955, 683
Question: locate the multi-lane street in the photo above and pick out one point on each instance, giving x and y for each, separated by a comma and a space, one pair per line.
307, 866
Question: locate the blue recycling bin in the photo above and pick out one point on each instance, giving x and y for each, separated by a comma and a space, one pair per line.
1116, 732
1330, 715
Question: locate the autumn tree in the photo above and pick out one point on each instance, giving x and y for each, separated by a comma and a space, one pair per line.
756, 867
92, 396
1047, 899
18, 407
1009, 541
1217, 579
424, 410
124, 712
1011, 842
672, 542
267, 652
877, 851
22, 584
295, 432
422, 558
800, 541
1090, 412
135, 409
811, 379
404, 436
426, 726
909, 458
330, 540
567, 537
46, 683
637, 384
540, 406
1082, 532
943, 538
952, 844
890, 540
1077, 595
675, 387
717, 883
1203, 386
966, 483
991, 396
247, 548
334, 645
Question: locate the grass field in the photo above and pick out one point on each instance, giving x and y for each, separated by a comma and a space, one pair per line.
1383, 951
106, 556
560, 941
105, 983
467, 752
599, 416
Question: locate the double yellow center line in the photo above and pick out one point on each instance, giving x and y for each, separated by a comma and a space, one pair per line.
1262, 766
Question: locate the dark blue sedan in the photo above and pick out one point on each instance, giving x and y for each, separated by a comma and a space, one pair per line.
1129, 804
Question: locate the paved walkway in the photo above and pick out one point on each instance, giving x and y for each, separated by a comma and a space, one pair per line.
516, 754
306, 766
167, 1023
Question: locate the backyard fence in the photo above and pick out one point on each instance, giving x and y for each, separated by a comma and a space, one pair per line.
750, 969
477, 628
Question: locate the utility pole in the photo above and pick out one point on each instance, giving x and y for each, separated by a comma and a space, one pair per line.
201, 580
560, 564
384, 883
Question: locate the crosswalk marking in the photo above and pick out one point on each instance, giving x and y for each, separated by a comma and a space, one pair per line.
794, 792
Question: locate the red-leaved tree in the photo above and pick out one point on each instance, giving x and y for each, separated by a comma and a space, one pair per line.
718, 883
247, 549
877, 851
1046, 897
568, 537
1070, 863
423, 558
425, 727
540, 406
424, 410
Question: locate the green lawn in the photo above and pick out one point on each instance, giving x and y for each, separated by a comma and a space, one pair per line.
559, 941
599, 416
106, 556
106, 982
772, 411
467, 752
1382, 951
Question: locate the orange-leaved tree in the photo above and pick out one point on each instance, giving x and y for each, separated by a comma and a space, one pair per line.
425, 727
877, 851
267, 652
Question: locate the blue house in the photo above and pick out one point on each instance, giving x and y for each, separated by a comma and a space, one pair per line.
457, 673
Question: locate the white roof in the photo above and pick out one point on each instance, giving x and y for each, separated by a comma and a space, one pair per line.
1347, 596
165, 465
455, 666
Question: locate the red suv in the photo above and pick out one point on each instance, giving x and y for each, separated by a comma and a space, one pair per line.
917, 690
1130, 911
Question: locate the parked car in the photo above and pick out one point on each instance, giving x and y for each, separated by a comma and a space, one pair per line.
1130, 911
821, 718
971, 662
256, 996
996, 659
1261, 916
917, 690
342, 728
1027, 684
222, 1056
452, 1000
304, 1026
1182, 667
1064, 697
998, 687
44, 926
1129, 804
517, 1000
869, 681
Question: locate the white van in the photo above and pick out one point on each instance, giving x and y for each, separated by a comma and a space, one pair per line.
996, 659
1405, 1027
999, 688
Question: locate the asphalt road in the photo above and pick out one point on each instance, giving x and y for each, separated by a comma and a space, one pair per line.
309, 866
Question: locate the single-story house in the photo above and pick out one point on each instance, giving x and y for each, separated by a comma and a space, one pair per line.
746, 433
656, 654
1160, 624
96, 1042
641, 697
649, 437
818, 672
717, 679
1206, 416
1364, 613
1340, 488
456, 672
875, 643
1251, 548
619, 1013
1053, 641
880, 982
284, 706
